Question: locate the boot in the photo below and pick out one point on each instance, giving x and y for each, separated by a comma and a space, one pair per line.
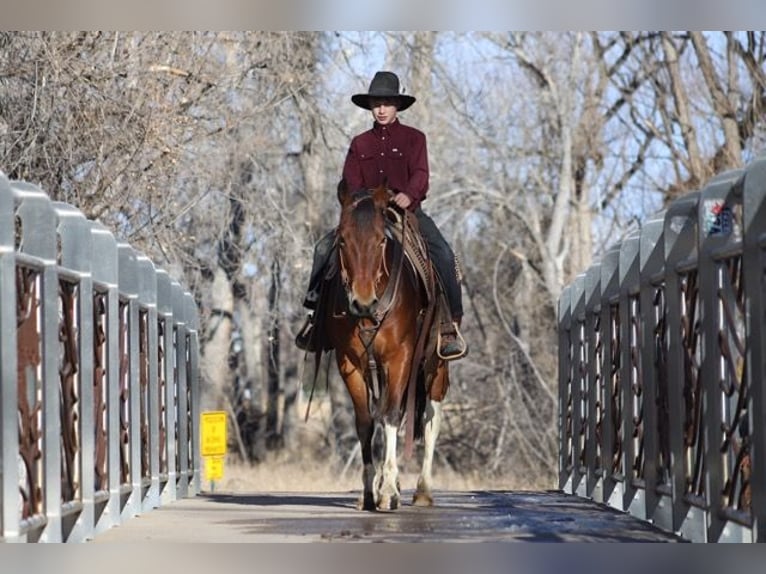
304, 340
451, 344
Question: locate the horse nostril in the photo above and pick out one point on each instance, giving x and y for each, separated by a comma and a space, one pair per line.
355, 308
362, 310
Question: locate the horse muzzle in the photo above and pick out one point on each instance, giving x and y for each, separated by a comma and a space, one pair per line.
361, 309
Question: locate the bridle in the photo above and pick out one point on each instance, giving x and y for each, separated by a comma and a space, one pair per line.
388, 297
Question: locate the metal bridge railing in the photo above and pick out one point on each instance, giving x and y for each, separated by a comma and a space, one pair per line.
98, 367
662, 367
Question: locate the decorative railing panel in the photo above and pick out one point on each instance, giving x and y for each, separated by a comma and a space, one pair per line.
97, 362
675, 367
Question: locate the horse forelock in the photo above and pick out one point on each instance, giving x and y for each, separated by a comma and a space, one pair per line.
362, 211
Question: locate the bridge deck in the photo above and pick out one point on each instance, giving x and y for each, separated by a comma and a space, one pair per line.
471, 516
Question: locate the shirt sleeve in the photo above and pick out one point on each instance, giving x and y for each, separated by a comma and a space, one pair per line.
352, 169
417, 184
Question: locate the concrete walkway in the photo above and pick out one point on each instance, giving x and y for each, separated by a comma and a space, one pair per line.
494, 516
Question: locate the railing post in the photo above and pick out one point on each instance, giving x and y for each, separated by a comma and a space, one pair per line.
147, 299
192, 320
754, 265
106, 280
680, 259
38, 240
653, 379
630, 379
169, 415
579, 386
594, 416
128, 281
565, 386
10, 516
76, 249
719, 225
611, 454
181, 382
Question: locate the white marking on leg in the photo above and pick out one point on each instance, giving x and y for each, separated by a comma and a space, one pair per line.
430, 435
389, 487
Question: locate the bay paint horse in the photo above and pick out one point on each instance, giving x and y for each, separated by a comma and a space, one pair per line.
379, 315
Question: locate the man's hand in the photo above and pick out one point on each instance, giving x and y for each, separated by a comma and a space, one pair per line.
402, 200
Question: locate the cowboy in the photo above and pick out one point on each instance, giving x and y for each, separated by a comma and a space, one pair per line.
394, 153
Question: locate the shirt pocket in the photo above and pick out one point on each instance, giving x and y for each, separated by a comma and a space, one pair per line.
396, 154
369, 166
396, 168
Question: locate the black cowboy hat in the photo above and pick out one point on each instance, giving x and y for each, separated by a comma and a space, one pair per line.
385, 85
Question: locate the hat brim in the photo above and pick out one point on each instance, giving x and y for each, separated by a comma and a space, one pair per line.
363, 100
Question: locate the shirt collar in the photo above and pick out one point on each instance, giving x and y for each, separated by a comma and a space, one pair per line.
390, 128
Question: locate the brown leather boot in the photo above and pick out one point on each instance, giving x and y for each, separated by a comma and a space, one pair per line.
451, 344
304, 340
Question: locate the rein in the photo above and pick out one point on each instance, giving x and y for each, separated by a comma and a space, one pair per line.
392, 287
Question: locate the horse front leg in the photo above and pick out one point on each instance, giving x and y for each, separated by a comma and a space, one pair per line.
389, 491
423, 496
365, 427
364, 431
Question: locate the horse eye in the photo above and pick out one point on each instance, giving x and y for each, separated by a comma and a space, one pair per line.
341, 242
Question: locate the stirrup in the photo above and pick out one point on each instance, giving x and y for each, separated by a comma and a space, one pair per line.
460, 347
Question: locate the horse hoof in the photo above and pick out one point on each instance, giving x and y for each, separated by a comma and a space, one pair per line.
388, 503
422, 499
365, 502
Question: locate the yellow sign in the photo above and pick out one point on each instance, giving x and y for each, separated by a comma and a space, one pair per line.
214, 467
213, 433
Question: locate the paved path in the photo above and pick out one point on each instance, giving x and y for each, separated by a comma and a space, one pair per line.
494, 516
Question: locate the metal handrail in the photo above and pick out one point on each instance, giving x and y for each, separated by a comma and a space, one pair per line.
80, 408
671, 377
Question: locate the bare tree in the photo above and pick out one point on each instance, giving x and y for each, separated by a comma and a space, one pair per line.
704, 104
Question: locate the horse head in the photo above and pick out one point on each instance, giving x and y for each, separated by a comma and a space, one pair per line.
362, 246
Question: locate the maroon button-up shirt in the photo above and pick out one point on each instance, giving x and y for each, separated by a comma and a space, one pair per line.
396, 153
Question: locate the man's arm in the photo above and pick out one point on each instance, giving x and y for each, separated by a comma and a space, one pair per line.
352, 170
417, 163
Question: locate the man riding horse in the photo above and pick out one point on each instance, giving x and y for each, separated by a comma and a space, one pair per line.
395, 154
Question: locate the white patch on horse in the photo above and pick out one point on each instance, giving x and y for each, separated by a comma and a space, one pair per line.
388, 494
433, 421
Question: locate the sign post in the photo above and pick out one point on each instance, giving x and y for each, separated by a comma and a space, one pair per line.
213, 444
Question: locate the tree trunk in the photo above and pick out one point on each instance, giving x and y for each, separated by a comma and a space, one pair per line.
694, 163
275, 403
215, 352
723, 98
422, 66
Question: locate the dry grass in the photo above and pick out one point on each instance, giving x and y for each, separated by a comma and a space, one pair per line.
285, 474
308, 467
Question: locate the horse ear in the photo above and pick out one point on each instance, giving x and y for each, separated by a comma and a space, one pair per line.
343, 192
